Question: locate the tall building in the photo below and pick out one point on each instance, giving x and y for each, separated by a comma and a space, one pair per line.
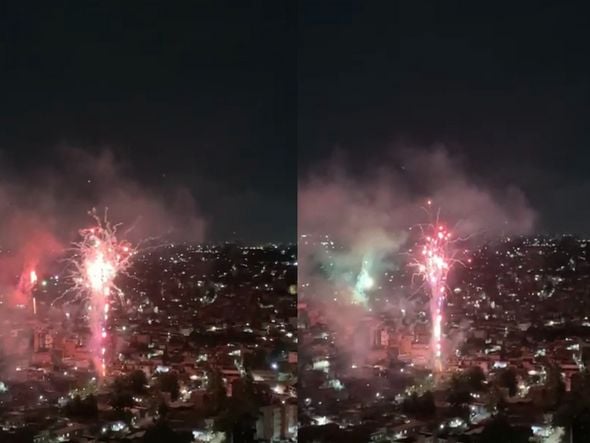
277, 422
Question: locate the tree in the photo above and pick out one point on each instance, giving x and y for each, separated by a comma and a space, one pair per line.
238, 421
120, 384
410, 404
121, 396
169, 383
138, 381
163, 410
459, 396
121, 400
427, 405
23, 435
3, 361
165, 357
161, 432
216, 390
90, 406
459, 393
507, 379
475, 378
495, 400
72, 407
499, 430
86, 408
554, 387
574, 412
255, 359
422, 406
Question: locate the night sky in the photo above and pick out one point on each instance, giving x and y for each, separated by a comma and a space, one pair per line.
234, 102
198, 94
505, 86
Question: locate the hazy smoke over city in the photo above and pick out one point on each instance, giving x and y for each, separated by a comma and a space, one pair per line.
368, 218
41, 211
375, 208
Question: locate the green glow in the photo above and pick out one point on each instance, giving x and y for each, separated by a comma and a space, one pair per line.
364, 282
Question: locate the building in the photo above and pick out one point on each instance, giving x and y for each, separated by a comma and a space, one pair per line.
277, 422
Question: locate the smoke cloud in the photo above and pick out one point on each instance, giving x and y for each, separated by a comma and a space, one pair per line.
350, 221
41, 211
375, 209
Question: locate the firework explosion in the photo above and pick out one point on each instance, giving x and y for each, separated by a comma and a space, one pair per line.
433, 265
99, 258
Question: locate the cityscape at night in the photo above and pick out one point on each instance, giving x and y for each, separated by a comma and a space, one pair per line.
148, 259
443, 222
281, 221
515, 343
204, 335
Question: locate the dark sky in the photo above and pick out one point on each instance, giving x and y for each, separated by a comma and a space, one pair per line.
504, 85
196, 93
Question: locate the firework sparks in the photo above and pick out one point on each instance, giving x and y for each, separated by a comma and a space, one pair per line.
100, 258
364, 282
433, 264
33, 282
33, 277
25, 286
27, 281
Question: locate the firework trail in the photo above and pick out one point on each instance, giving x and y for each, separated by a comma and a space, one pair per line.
433, 264
33, 277
32, 283
100, 256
